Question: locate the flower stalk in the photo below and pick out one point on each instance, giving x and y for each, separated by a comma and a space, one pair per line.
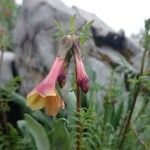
1, 61
78, 106
128, 117
82, 82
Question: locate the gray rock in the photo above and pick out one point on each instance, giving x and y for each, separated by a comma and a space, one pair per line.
36, 47
6, 64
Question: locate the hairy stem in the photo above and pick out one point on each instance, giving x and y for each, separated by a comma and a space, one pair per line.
129, 115
78, 116
78, 106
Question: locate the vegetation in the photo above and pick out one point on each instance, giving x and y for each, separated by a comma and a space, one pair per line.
109, 117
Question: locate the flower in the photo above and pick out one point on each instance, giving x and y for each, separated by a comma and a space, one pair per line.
62, 76
45, 93
82, 77
64, 47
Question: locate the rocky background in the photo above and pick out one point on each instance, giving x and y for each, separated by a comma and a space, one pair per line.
35, 46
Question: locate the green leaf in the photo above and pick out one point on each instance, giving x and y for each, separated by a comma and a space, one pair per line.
72, 27
85, 32
38, 133
21, 101
71, 103
147, 24
60, 31
118, 115
109, 112
60, 135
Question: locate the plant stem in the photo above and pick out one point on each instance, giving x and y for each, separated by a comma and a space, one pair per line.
4, 117
78, 106
129, 116
78, 121
1, 60
144, 106
139, 139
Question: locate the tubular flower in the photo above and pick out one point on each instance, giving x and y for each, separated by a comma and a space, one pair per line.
62, 76
82, 78
64, 48
45, 93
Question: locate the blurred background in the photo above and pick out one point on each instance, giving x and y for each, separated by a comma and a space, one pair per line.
28, 47
127, 15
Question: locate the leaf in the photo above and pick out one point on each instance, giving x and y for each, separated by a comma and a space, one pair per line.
118, 115
72, 27
60, 135
109, 112
60, 31
38, 133
71, 103
20, 100
85, 33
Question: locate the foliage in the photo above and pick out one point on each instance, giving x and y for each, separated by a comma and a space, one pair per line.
8, 13
101, 122
103, 114
83, 34
37, 132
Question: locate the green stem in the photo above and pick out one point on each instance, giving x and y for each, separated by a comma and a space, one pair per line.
139, 139
144, 106
129, 116
4, 117
1, 60
78, 106
4, 121
78, 116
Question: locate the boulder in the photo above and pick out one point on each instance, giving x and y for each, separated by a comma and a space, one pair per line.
36, 47
8, 68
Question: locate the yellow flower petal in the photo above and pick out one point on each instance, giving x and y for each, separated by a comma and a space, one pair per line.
53, 105
51, 93
35, 101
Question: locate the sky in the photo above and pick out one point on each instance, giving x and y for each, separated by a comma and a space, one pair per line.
118, 14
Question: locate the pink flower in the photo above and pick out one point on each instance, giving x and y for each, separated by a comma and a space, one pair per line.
45, 93
62, 76
82, 77
63, 73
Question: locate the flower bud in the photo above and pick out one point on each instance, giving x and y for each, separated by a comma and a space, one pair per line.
82, 77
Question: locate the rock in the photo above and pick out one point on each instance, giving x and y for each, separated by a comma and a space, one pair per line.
7, 66
36, 46
102, 28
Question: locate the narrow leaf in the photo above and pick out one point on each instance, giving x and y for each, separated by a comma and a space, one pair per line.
38, 133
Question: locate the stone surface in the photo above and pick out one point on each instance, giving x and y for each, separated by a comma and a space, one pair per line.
6, 66
36, 46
